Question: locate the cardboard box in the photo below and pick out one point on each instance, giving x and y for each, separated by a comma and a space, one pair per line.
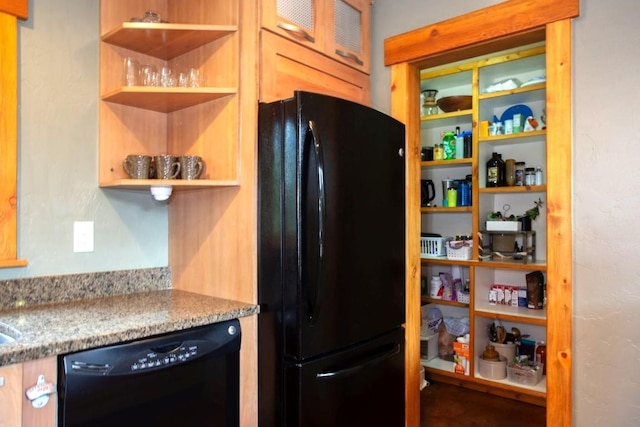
461, 358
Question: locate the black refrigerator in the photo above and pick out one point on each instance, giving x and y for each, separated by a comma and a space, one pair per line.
331, 264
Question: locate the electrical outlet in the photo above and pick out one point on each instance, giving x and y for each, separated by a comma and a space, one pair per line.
83, 236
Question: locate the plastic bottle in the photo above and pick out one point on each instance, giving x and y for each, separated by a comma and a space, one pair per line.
493, 170
538, 175
541, 356
449, 146
435, 291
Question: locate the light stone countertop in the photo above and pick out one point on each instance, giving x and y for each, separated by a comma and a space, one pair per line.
63, 327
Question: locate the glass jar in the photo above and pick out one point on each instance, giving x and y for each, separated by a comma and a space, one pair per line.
510, 172
519, 173
530, 176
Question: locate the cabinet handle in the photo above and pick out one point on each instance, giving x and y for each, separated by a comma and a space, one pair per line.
349, 55
296, 30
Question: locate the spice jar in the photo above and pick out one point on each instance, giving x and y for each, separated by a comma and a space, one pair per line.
519, 173
530, 176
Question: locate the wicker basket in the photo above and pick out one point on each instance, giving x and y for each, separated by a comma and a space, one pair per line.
433, 247
459, 249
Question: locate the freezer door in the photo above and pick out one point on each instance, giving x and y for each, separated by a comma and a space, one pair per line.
360, 387
344, 244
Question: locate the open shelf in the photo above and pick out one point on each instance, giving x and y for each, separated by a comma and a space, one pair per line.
165, 99
165, 41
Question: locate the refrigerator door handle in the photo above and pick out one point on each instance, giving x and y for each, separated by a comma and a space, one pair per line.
313, 303
349, 370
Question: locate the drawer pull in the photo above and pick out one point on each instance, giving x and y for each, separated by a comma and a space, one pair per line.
296, 30
349, 55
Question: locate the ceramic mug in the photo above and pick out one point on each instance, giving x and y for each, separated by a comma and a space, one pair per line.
191, 167
137, 166
166, 166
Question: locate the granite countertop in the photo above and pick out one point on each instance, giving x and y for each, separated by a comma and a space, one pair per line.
67, 326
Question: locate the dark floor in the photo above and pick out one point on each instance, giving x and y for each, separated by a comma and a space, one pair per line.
444, 405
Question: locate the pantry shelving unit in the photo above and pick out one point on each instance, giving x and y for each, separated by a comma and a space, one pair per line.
504, 26
471, 77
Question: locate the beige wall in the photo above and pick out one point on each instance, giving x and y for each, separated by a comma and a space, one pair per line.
58, 154
606, 377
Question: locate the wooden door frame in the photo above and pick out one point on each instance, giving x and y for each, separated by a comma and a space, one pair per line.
504, 25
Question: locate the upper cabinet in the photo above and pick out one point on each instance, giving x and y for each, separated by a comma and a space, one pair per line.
338, 29
315, 45
181, 97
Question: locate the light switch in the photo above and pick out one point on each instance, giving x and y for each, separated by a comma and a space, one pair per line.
83, 236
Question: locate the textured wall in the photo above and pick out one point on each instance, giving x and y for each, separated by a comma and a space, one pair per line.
606, 378
58, 133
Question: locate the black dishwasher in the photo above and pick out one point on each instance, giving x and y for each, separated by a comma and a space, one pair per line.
189, 378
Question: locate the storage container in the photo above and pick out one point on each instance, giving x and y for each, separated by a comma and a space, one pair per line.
433, 247
529, 375
459, 249
428, 346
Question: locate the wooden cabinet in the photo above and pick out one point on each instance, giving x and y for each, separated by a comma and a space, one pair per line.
338, 29
198, 119
513, 23
15, 408
286, 66
499, 84
317, 46
9, 132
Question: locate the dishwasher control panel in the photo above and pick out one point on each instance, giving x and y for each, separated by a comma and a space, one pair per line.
154, 359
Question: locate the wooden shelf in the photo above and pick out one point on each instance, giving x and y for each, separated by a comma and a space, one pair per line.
165, 99
512, 265
452, 162
442, 370
436, 209
513, 137
165, 41
516, 91
177, 184
511, 314
12, 263
459, 113
443, 302
514, 189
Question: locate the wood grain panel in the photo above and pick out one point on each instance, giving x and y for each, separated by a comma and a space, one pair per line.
404, 80
11, 395
45, 416
16, 8
559, 224
491, 23
212, 233
286, 66
9, 141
